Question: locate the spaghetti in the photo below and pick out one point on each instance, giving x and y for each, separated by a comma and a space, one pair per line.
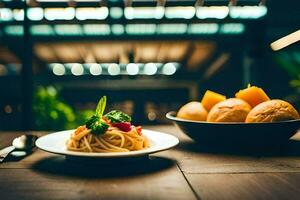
113, 140
112, 132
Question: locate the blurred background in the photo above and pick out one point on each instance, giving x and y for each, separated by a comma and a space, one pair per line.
58, 57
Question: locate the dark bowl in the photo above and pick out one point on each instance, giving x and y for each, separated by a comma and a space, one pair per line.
238, 134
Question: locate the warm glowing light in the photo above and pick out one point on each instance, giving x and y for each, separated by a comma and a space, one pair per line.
8, 109
16, 30
41, 30
3, 70
113, 69
18, 14
150, 69
217, 12
58, 69
208, 28
95, 69
232, 28
77, 69
184, 12
132, 69
286, 41
117, 29
140, 29
6, 14
96, 29
151, 116
35, 14
91, 13
172, 28
169, 69
68, 29
116, 12
248, 12
144, 12
59, 13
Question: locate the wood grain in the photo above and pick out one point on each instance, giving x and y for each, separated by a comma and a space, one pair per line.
193, 158
188, 171
246, 186
29, 184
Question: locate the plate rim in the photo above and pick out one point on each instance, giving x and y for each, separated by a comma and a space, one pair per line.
107, 155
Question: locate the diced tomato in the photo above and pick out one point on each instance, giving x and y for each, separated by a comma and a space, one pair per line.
106, 120
124, 126
80, 129
139, 130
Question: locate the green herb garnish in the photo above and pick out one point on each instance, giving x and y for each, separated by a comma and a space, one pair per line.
117, 116
95, 123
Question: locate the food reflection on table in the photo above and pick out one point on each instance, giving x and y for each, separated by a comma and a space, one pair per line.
250, 105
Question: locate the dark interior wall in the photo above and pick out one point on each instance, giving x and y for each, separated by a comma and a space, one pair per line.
251, 61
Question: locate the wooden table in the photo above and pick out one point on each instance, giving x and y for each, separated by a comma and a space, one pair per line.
185, 172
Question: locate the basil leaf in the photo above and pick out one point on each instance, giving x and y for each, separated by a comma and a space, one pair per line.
101, 106
95, 123
117, 116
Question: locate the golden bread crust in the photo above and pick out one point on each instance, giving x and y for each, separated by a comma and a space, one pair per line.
193, 111
272, 111
230, 110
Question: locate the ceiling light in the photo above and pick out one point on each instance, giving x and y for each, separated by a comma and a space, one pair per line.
180, 12
117, 29
247, 12
116, 12
169, 69
68, 29
132, 69
58, 69
216, 12
150, 69
140, 29
18, 14
15, 30
35, 14
59, 13
6, 14
41, 30
172, 28
210, 28
96, 29
144, 12
92, 13
77, 69
95, 69
232, 28
113, 69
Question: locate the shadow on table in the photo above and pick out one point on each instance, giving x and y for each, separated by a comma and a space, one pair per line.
18, 155
290, 148
102, 168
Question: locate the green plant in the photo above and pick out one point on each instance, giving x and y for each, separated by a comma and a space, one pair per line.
296, 82
50, 111
289, 61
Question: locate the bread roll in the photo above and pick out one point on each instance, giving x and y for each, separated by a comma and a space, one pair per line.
272, 111
193, 111
230, 110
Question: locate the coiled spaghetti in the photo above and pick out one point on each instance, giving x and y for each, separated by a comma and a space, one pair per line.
113, 140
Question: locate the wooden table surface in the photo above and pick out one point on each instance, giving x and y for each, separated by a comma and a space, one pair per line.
185, 172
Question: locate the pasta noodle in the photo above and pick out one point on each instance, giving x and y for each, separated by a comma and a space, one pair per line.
113, 140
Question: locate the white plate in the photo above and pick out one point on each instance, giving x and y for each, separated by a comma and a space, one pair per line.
56, 143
